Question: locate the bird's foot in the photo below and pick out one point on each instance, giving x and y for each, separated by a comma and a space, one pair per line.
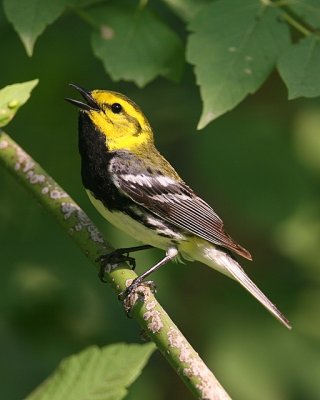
108, 261
132, 288
138, 290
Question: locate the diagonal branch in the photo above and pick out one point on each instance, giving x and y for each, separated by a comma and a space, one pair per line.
148, 312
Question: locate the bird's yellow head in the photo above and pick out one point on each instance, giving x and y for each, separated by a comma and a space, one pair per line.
117, 117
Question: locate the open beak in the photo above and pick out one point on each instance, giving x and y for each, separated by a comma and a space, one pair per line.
89, 105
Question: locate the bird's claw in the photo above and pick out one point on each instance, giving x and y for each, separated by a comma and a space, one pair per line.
133, 287
111, 259
135, 292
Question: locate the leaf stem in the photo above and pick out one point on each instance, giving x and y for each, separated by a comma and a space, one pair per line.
289, 16
150, 315
296, 24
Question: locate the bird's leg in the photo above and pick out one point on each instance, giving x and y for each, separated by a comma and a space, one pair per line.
117, 256
170, 254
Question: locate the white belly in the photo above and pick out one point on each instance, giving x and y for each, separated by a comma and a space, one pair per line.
132, 227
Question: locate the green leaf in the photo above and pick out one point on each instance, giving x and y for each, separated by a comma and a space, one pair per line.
100, 374
234, 47
31, 17
134, 45
12, 97
299, 67
308, 10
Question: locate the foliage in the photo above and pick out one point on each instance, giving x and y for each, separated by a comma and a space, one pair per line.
95, 373
298, 67
148, 47
237, 60
12, 98
234, 45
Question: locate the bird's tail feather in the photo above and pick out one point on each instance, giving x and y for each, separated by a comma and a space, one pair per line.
223, 262
236, 271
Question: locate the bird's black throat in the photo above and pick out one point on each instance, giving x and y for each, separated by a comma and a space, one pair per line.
95, 159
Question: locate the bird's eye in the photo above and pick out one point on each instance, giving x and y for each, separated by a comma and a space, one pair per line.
116, 108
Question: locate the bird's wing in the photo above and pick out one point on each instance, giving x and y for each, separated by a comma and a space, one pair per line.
172, 200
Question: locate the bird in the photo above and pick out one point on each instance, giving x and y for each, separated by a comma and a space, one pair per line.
137, 190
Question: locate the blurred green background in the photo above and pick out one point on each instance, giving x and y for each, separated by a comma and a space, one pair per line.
258, 166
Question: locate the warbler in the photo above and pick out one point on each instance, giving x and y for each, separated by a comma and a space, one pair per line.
136, 189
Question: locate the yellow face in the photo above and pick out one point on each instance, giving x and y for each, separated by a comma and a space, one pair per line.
119, 119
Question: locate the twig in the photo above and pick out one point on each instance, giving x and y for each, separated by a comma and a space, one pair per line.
148, 312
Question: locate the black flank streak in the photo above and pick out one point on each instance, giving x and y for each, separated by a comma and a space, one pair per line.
134, 213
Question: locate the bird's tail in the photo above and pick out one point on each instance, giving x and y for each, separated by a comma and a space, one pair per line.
222, 261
